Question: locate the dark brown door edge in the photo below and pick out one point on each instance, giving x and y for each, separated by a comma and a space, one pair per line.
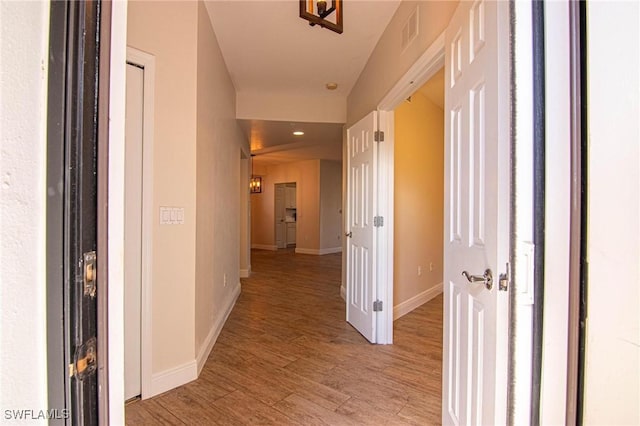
539, 159
76, 262
104, 77
578, 232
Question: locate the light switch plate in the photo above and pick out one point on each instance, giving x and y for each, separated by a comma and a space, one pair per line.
171, 215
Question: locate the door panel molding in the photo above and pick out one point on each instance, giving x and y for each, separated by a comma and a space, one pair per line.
361, 207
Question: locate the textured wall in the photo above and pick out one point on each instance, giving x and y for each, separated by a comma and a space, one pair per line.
24, 28
219, 143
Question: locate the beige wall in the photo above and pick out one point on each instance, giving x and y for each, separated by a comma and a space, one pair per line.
168, 30
245, 218
280, 106
219, 144
261, 232
418, 191
197, 151
306, 175
330, 204
389, 62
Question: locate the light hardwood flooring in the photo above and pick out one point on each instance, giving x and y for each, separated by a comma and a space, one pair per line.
286, 356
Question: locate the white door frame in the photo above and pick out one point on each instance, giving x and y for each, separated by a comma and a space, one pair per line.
431, 61
148, 63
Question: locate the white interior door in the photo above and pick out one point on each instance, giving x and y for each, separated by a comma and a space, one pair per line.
361, 237
476, 214
280, 225
133, 231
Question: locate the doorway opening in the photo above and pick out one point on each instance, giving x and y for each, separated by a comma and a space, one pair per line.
285, 214
419, 196
419, 222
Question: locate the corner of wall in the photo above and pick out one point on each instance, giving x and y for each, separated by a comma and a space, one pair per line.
207, 346
416, 301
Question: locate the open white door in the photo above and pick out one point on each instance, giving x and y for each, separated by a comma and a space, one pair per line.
361, 239
476, 214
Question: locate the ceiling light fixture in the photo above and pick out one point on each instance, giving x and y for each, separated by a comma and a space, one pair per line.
298, 133
316, 11
255, 183
331, 86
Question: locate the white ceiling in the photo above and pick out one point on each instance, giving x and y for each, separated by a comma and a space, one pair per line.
273, 142
268, 48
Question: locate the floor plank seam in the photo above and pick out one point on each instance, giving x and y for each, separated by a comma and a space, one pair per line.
281, 360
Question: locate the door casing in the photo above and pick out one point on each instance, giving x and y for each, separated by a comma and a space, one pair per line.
430, 62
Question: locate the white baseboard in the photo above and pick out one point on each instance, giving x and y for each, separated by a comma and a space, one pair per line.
331, 250
307, 251
172, 378
343, 293
319, 252
187, 372
207, 346
407, 306
264, 247
245, 273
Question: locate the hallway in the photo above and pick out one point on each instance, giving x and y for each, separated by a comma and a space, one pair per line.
287, 356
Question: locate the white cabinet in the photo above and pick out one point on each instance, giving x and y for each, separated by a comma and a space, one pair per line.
290, 197
291, 233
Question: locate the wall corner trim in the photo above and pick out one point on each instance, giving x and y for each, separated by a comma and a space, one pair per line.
419, 299
319, 252
331, 250
343, 292
207, 345
172, 378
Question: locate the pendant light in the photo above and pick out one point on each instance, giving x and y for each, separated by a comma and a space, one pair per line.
316, 11
255, 183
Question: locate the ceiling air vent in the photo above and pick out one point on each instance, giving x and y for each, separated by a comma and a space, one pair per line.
410, 29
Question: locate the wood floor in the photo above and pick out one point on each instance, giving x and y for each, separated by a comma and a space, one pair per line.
286, 356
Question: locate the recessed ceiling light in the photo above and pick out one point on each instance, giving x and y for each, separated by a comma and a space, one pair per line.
298, 133
331, 86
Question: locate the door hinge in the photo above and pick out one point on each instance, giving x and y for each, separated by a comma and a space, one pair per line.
504, 279
90, 273
377, 306
378, 136
378, 221
85, 360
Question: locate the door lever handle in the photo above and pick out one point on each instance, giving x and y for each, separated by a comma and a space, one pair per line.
486, 278
348, 234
